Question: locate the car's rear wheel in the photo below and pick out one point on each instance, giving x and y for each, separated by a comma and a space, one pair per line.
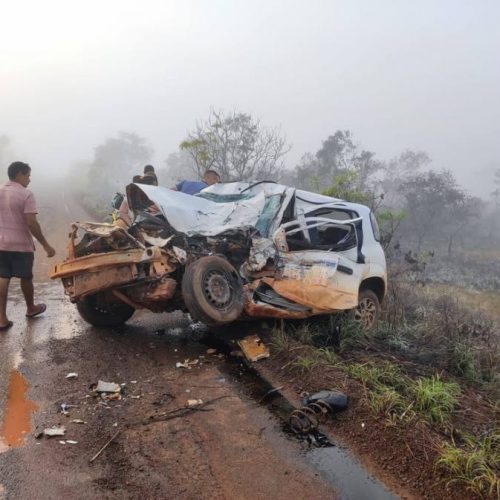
101, 310
212, 291
368, 310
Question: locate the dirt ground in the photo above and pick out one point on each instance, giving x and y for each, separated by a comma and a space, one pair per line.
231, 448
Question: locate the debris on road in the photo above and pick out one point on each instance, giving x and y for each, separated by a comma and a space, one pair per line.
211, 351
336, 401
72, 375
113, 437
65, 407
194, 402
77, 421
70, 441
269, 392
181, 412
253, 348
54, 431
107, 387
187, 363
306, 419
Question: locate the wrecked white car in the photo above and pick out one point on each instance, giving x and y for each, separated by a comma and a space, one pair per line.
236, 250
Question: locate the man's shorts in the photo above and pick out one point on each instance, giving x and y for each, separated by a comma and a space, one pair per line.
16, 264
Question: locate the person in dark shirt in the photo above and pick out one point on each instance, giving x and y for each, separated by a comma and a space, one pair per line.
149, 171
210, 177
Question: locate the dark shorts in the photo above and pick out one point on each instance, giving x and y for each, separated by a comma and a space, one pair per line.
16, 264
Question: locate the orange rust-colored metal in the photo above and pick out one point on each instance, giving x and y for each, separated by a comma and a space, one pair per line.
261, 310
92, 282
153, 291
126, 299
320, 298
93, 273
96, 261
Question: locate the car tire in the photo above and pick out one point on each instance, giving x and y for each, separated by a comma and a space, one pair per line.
98, 311
368, 311
212, 291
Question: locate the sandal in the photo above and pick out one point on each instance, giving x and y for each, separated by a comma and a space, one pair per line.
42, 307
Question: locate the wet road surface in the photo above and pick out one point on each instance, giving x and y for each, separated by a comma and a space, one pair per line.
231, 448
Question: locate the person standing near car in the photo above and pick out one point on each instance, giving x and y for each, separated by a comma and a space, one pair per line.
18, 225
210, 177
149, 171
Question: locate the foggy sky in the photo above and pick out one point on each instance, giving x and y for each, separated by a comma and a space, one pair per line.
399, 74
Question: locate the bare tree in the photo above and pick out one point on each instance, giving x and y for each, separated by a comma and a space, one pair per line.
339, 155
237, 146
117, 160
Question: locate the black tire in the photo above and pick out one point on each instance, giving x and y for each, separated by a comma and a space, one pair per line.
212, 291
368, 311
99, 311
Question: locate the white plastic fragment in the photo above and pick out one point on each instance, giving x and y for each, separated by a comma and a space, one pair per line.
77, 421
70, 441
55, 431
72, 375
194, 402
107, 387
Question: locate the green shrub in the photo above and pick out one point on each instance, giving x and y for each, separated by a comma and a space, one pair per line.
476, 464
434, 398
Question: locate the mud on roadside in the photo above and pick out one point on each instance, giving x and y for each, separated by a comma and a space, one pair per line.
402, 454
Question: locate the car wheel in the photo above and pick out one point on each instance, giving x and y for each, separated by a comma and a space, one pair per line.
368, 310
99, 311
212, 291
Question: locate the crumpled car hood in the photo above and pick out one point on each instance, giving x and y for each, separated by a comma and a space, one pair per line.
193, 215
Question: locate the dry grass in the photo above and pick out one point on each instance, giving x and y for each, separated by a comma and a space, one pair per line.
483, 301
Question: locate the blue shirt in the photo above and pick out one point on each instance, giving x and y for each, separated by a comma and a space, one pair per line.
191, 187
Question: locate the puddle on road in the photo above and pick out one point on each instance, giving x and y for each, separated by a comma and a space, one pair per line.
17, 416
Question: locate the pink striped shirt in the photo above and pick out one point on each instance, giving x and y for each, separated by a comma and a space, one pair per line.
15, 201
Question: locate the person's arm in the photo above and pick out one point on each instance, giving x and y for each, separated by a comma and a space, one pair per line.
36, 231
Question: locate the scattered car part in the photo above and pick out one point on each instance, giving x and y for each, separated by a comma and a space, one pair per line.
307, 418
107, 387
253, 348
55, 431
336, 401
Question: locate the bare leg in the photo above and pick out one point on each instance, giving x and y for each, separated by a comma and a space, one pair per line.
29, 297
4, 289
29, 294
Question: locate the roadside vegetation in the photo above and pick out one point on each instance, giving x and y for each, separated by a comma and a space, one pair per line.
420, 365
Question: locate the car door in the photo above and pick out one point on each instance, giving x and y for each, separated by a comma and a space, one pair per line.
319, 259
